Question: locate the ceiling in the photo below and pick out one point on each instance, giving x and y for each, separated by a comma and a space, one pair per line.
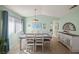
48, 10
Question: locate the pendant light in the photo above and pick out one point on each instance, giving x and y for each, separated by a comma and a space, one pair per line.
35, 20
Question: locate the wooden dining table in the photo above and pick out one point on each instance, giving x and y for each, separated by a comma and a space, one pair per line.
45, 36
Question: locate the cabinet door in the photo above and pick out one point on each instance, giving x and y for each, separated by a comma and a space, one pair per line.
68, 41
75, 43
61, 37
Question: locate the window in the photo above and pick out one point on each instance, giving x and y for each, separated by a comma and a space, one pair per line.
11, 25
15, 25
19, 26
69, 26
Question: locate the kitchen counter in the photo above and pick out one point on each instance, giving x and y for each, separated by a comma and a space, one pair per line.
69, 34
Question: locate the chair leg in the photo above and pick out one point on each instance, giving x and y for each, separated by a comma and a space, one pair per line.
35, 48
42, 48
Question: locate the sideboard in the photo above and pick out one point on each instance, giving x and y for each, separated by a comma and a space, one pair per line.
71, 41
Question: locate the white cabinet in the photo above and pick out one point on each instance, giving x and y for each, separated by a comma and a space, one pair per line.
75, 44
65, 39
71, 41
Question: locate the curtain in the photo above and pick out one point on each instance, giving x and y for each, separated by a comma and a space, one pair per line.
5, 30
24, 25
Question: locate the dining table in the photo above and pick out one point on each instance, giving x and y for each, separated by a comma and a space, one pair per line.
45, 36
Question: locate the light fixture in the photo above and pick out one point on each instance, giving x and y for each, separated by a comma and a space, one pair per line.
35, 20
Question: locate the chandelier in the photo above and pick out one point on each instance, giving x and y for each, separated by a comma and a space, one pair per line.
35, 20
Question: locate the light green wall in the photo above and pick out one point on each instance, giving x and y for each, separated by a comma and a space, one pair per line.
11, 13
72, 17
42, 19
13, 38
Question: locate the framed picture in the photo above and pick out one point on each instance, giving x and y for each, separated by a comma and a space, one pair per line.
44, 26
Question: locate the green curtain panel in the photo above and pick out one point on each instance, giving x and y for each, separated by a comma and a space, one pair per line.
5, 30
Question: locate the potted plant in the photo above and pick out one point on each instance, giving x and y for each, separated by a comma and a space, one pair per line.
1, 45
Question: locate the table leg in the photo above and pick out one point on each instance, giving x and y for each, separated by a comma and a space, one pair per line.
20, 45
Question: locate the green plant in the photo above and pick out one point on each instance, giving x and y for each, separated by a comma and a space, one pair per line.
2, 45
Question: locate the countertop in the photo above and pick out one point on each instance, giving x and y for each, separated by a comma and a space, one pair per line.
69, 34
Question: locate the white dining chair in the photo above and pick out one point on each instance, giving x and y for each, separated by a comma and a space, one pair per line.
39, 40
30, 44
46, 44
